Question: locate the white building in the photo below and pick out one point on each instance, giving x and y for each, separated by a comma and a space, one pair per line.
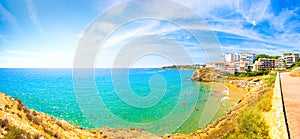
248, 58
216, 65
288, 59
231, 57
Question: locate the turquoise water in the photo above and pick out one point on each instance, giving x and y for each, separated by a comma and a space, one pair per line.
52, 91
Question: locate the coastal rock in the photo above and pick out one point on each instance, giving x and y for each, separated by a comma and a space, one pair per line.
295, 72
17, 121
207, 75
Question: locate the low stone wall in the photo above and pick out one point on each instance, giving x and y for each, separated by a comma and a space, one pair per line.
278, 128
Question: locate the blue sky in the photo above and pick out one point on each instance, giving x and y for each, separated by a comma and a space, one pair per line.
45, 33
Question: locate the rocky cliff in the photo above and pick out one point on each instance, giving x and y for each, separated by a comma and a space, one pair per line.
207, 75
17, 121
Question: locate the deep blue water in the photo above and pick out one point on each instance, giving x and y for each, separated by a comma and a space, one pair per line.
141, 97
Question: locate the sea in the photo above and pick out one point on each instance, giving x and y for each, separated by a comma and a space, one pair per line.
161, 101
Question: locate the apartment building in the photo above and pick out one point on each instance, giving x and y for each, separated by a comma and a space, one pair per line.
216, 65
265, 64
288, 59
248, 58
231, 57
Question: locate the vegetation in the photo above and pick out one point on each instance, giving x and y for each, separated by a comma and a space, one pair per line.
266, 56
295, 65
249, 74
264, 103
271, 80
188, 67
12, 131
250, 122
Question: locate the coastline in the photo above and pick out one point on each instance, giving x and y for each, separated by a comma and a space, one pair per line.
50, 127
17, 121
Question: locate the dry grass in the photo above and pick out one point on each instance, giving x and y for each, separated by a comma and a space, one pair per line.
295, 74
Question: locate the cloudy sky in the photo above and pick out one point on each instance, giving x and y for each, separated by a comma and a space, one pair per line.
46, 33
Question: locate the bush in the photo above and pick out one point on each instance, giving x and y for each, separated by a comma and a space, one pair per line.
271, 80
249, 74
3, 123
37, 120
34, 113
273, 73
265, 102
12, 131
29, 116
250, 124
295, 65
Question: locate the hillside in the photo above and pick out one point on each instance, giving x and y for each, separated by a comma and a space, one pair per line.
17, 121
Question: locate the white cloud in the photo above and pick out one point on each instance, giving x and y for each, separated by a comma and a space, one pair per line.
6, 16
239, 18
235, 17
33, 15
232, 17
38, 59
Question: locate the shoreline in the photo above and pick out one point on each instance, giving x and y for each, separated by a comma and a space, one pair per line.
237, 97
38, 127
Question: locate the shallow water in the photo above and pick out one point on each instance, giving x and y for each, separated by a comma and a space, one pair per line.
159, 101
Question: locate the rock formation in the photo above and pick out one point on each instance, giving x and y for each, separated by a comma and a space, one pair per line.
207, 75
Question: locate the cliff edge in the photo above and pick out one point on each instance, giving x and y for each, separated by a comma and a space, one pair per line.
207, 75
17, 121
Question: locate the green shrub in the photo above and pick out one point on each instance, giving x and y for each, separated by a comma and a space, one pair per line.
271, 80
265, 102
250, 124
273, 73
12, 131
295, 65
15, 133
249, 74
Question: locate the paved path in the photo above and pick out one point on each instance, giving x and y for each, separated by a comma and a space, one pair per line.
291, 94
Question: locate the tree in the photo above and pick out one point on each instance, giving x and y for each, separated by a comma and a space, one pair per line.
266, 56
247, 70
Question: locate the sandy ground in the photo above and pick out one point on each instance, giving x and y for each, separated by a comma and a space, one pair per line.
236, 93
291, 93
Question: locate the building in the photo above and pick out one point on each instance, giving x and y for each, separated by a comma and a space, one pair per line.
228, 67
231, 57
243, 66
288, 59
216, 65
248, 58
265, 64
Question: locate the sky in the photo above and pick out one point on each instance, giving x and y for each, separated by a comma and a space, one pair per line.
47, 33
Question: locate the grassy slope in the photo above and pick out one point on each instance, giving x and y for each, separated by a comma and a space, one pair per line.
248, 113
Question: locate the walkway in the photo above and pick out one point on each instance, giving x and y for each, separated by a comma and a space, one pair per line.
291, 94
